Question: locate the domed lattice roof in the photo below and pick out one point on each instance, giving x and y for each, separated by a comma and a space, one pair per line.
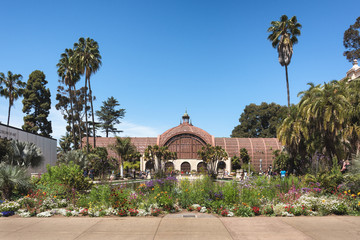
186, 128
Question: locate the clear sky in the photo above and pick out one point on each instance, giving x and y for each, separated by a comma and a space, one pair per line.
162, 57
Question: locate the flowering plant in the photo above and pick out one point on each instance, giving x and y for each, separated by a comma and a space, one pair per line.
155, 211
122, 213
133, 212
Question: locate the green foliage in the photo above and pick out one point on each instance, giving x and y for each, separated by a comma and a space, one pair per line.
281, 161
231, 193
37, 104
159, 156
211, 155
5, 149
109, 116
12, 177
70, 175
76, 156
14, 88
235, 163
352, 41
260, 121
25, 154
243, 210
244, 155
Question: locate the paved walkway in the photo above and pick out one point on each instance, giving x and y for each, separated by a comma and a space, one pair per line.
181, 227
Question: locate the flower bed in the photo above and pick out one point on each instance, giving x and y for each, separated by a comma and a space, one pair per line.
252, 197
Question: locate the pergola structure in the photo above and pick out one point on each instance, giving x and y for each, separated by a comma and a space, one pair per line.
186, 139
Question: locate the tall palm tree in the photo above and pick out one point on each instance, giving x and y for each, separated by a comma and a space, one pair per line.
283, 36
14, 88
124, 149
69, 76
89, 61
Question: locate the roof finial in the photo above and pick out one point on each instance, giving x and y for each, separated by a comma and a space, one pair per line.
355, 62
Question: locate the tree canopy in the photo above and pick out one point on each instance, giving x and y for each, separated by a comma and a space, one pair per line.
352, 41
109, 116
37, 104
258, 121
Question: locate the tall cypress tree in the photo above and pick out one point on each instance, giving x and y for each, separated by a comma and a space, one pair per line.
37, 104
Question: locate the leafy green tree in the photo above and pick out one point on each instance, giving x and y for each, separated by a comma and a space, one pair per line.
63, 104
212, 155
14, 88
12, 177
69, 74
37, 104
159, 156
25, 154
88, 60
235, 163
260, 121
100, 162
123, 148
283, 35
109, 116
244, 155
352, 41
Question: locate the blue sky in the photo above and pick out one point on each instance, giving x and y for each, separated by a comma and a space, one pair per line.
161, 57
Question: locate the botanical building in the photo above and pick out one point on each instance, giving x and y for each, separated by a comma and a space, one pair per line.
186, 139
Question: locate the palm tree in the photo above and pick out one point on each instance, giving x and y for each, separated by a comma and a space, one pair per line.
70, 76
325, 110
159, 156
11, 177
14, 88
25, 154
283, 37
124, 149
89, 61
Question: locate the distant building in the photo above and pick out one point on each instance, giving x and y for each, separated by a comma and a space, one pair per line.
47, 145
354, 72
186, 139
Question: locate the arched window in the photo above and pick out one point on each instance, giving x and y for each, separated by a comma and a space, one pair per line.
202, 167
185, 145
169, 166
185, 168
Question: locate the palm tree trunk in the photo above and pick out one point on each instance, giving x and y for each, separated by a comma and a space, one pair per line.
79, 120
92, 113
86, 120
8, 121
287, 86
72, 116
121, 168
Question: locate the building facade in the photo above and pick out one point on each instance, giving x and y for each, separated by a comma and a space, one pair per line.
47, 145
186, 139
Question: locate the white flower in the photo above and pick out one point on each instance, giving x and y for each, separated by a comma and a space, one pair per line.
44, 214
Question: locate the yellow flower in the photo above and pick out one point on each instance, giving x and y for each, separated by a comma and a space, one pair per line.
358, 203
358, 193
353, 195
154, 197
158, 194
345, 192
186, 190
54, 196
349, 191
152, 189
323, 200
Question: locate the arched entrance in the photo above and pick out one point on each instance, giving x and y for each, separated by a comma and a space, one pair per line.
202, 167
149, 165
185, 168
221, 166
169, 166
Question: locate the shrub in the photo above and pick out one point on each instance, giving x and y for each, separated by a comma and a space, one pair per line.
243, 210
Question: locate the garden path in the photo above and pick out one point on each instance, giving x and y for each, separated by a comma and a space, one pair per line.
179, 227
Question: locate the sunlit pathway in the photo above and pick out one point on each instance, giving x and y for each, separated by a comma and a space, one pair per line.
181, 227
